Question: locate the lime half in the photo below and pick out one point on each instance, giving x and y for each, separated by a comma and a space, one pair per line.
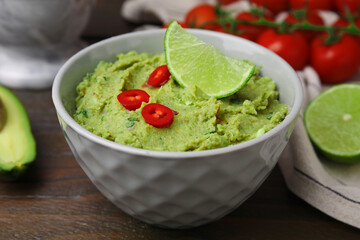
193, 62
332, 121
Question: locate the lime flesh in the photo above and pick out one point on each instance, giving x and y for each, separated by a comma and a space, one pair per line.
332, 121
194, 63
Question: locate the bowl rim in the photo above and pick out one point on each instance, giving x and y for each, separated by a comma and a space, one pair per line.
65, 116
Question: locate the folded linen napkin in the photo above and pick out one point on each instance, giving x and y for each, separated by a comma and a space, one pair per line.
328, 186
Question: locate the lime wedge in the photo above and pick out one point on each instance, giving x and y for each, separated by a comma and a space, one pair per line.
195, 63
332, 121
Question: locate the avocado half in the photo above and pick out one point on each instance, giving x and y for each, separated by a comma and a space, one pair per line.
17, 143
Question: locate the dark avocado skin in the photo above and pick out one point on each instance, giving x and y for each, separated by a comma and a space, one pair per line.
14, 174
15, 132
2, 115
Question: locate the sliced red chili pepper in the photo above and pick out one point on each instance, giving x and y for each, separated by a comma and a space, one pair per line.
217, 115
159, 76
157, 115
132, 99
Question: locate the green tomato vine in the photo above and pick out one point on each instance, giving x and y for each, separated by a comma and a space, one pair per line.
334, 33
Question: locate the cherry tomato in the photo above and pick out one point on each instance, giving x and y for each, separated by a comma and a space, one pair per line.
312, 17
311, 5
159, 76
227, 2
248, 31
157, 115
353, 6
292, 47
343, 23
182, 24
200, 15
336, 62
132, 99
219, 29
275, 6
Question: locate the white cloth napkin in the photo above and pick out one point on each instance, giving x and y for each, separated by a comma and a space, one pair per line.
142, 11
328, 186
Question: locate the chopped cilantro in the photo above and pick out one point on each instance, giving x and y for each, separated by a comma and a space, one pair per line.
269, 115
131, 122
212, 131
84, 113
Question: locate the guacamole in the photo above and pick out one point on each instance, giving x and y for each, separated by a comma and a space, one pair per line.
199, 123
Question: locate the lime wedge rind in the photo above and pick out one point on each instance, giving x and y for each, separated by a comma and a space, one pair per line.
193, 62
238, 87
345, 143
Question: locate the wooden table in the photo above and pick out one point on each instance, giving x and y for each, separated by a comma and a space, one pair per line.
57, 200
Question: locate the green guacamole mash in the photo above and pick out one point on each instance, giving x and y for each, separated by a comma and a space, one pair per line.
200, 122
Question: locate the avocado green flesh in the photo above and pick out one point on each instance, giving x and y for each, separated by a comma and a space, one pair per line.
200, 122
17, 144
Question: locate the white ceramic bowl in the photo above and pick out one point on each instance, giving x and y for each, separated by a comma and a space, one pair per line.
175, 189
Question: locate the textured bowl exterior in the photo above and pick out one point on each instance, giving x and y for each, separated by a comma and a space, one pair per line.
169, 189
176, 193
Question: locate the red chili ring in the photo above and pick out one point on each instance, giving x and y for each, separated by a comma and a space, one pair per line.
132, 99
157, 115
159, 76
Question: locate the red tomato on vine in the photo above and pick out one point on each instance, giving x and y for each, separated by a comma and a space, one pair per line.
353, 6
335, 62
312, 17
201, 15
343, 23
312, 5
250, 31
292, 47
227, 2
275, 6
182, 24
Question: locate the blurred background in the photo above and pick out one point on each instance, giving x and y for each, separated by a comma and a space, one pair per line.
106, 21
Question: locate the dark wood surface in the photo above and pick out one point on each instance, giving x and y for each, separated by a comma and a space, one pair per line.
56, 200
